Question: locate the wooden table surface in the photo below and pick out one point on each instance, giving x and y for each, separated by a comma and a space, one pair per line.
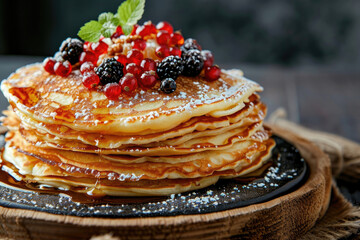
323, 98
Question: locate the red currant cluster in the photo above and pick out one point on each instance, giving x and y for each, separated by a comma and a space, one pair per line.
212, 72
134, 75
92, 51
61, 68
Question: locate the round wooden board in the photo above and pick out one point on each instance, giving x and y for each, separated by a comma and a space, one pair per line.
285, 217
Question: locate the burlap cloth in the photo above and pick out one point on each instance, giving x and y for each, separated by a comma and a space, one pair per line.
342, 220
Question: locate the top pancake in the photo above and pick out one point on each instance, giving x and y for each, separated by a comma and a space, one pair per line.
65, 101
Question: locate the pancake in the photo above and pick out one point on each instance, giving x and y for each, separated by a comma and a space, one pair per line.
123, 176
96, 187
215, 139
65, 101
203, 129
194, 165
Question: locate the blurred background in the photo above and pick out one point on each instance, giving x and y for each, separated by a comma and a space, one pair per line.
305, 53
263, 32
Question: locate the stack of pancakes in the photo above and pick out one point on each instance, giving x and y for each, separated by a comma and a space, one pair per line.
66, 136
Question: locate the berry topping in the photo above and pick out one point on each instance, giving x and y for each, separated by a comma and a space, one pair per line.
134, 69
212, 73
176, 39
162, 51
110, 71
71, 49
163, 38
90, 80
168, 85
148, 64
145, 30
139, 44
190, 44
112, 91
128, 83
99, 47
170, 67
193, 63
208, 58
118, 32
122, 59
148, 79
165, 26
48, 65
87, 46
63, 69
88, 57
87, 67
175, 51
135, 27
135, 56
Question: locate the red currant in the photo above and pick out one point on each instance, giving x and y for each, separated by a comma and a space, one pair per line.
148, 64
145, 30
90, 80
139, 44
163, 38
176, 39
133, 69
212, 73
162, 51
87, 46
112, 91
133, 32
99, 47
148, 79
135, 56
128, 83
88, 57
208, 58
86, 67
63, 69
48, 65
175, 51
118, 32
122, 59
165, 26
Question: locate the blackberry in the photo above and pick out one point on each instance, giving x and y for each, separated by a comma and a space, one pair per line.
193, 63
110, 71
168, 85
190, 44
71, 49
170, 67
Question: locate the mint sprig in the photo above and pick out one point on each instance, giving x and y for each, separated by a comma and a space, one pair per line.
128, 13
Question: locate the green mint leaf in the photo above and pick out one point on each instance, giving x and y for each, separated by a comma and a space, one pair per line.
105, 17
129, 12
115, 21
109, 24
108, 28
127, 29
91, 31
